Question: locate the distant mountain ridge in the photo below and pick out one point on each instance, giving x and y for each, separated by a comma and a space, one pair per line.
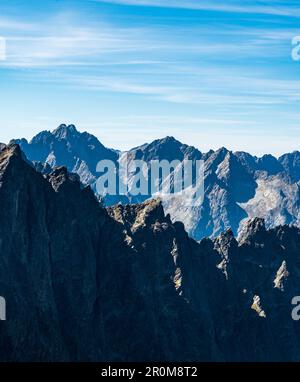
65, 146
237, 185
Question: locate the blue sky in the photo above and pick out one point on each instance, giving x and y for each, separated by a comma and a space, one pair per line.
211, 73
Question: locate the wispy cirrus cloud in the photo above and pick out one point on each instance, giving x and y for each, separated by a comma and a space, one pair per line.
9, 24
268, 7
207, 86
228, 71
86, 44
156, 61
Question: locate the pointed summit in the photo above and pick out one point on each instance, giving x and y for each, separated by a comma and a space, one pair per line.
10, 151
13, 161
66, 146
167, 148
63, 131
169, 139
291, 164
253, 231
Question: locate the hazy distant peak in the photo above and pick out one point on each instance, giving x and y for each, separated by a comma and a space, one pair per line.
291, 164
169, 140
63, 131
42, 136
167, 148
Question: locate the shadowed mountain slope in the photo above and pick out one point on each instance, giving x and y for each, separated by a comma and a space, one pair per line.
84, 283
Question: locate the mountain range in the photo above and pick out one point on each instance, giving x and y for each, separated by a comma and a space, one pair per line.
126, 283
237, 185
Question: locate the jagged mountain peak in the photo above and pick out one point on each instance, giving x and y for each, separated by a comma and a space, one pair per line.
66, 146
253, 231
13, 158
9, 153
81, 275
247, 160
6, 154
222, 153
139, 215
223, 150
10, 150
215, 158
230, 166
236, 184
229, 162
167, 148
224, 241
269, 164
64, 131
166, 143
60, 175
291, 164
169, 139
39, 138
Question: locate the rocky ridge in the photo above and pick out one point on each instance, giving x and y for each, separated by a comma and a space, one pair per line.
238, 186
83, 283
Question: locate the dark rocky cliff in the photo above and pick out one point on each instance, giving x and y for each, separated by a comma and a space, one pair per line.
126, 284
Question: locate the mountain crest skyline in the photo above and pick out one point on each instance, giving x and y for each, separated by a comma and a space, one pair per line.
237, 185
82, 273
64, 130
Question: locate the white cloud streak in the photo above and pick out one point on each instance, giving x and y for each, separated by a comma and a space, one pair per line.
256, 7
96, 45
